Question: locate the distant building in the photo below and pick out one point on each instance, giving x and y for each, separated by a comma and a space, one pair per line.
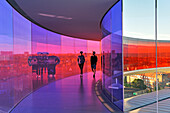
6, 55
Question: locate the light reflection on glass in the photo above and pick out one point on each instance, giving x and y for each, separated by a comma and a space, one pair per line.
22, 43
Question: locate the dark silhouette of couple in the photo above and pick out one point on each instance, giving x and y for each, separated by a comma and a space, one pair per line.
93, 60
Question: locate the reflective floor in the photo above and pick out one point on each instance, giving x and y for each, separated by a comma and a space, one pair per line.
12, 90
74, 94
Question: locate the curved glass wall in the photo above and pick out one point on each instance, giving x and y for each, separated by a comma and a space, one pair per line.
139, 54
112, 55
22, 43
145, 55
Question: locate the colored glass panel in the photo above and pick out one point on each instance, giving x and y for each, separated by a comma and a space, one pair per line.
32, 57
112, 66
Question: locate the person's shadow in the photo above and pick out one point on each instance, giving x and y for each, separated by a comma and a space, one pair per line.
81, 85
81, 94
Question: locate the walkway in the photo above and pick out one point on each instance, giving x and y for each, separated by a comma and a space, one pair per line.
163, 107
145, 99
68, 95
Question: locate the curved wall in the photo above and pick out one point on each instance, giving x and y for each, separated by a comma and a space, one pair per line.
19, 39
112, 65
145, 57
140, 53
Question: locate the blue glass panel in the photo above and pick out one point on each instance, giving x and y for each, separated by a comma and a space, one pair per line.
22, 34
106, 53
22, 50
39, 39
6, 56
106, 25
6, 32
116, 56
106, 64
112, 55
54, 43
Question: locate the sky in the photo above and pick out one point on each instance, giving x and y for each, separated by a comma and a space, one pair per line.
139, 19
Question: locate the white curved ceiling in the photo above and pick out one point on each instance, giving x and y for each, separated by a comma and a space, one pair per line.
76, 18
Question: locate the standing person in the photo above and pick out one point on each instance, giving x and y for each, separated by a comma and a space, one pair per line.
93, 60
81, 61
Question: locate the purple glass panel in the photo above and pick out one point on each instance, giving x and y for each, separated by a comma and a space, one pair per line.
53, 43
6, 56
38, 39
112, 55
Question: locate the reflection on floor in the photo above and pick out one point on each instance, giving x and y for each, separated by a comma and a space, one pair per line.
69, 95
14, 89
163, 107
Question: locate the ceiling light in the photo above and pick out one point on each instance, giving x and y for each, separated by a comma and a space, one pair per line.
54, 16
47, 15
63, 17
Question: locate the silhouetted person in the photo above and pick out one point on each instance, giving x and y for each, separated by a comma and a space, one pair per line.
103, 62
93, 60
81, 61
